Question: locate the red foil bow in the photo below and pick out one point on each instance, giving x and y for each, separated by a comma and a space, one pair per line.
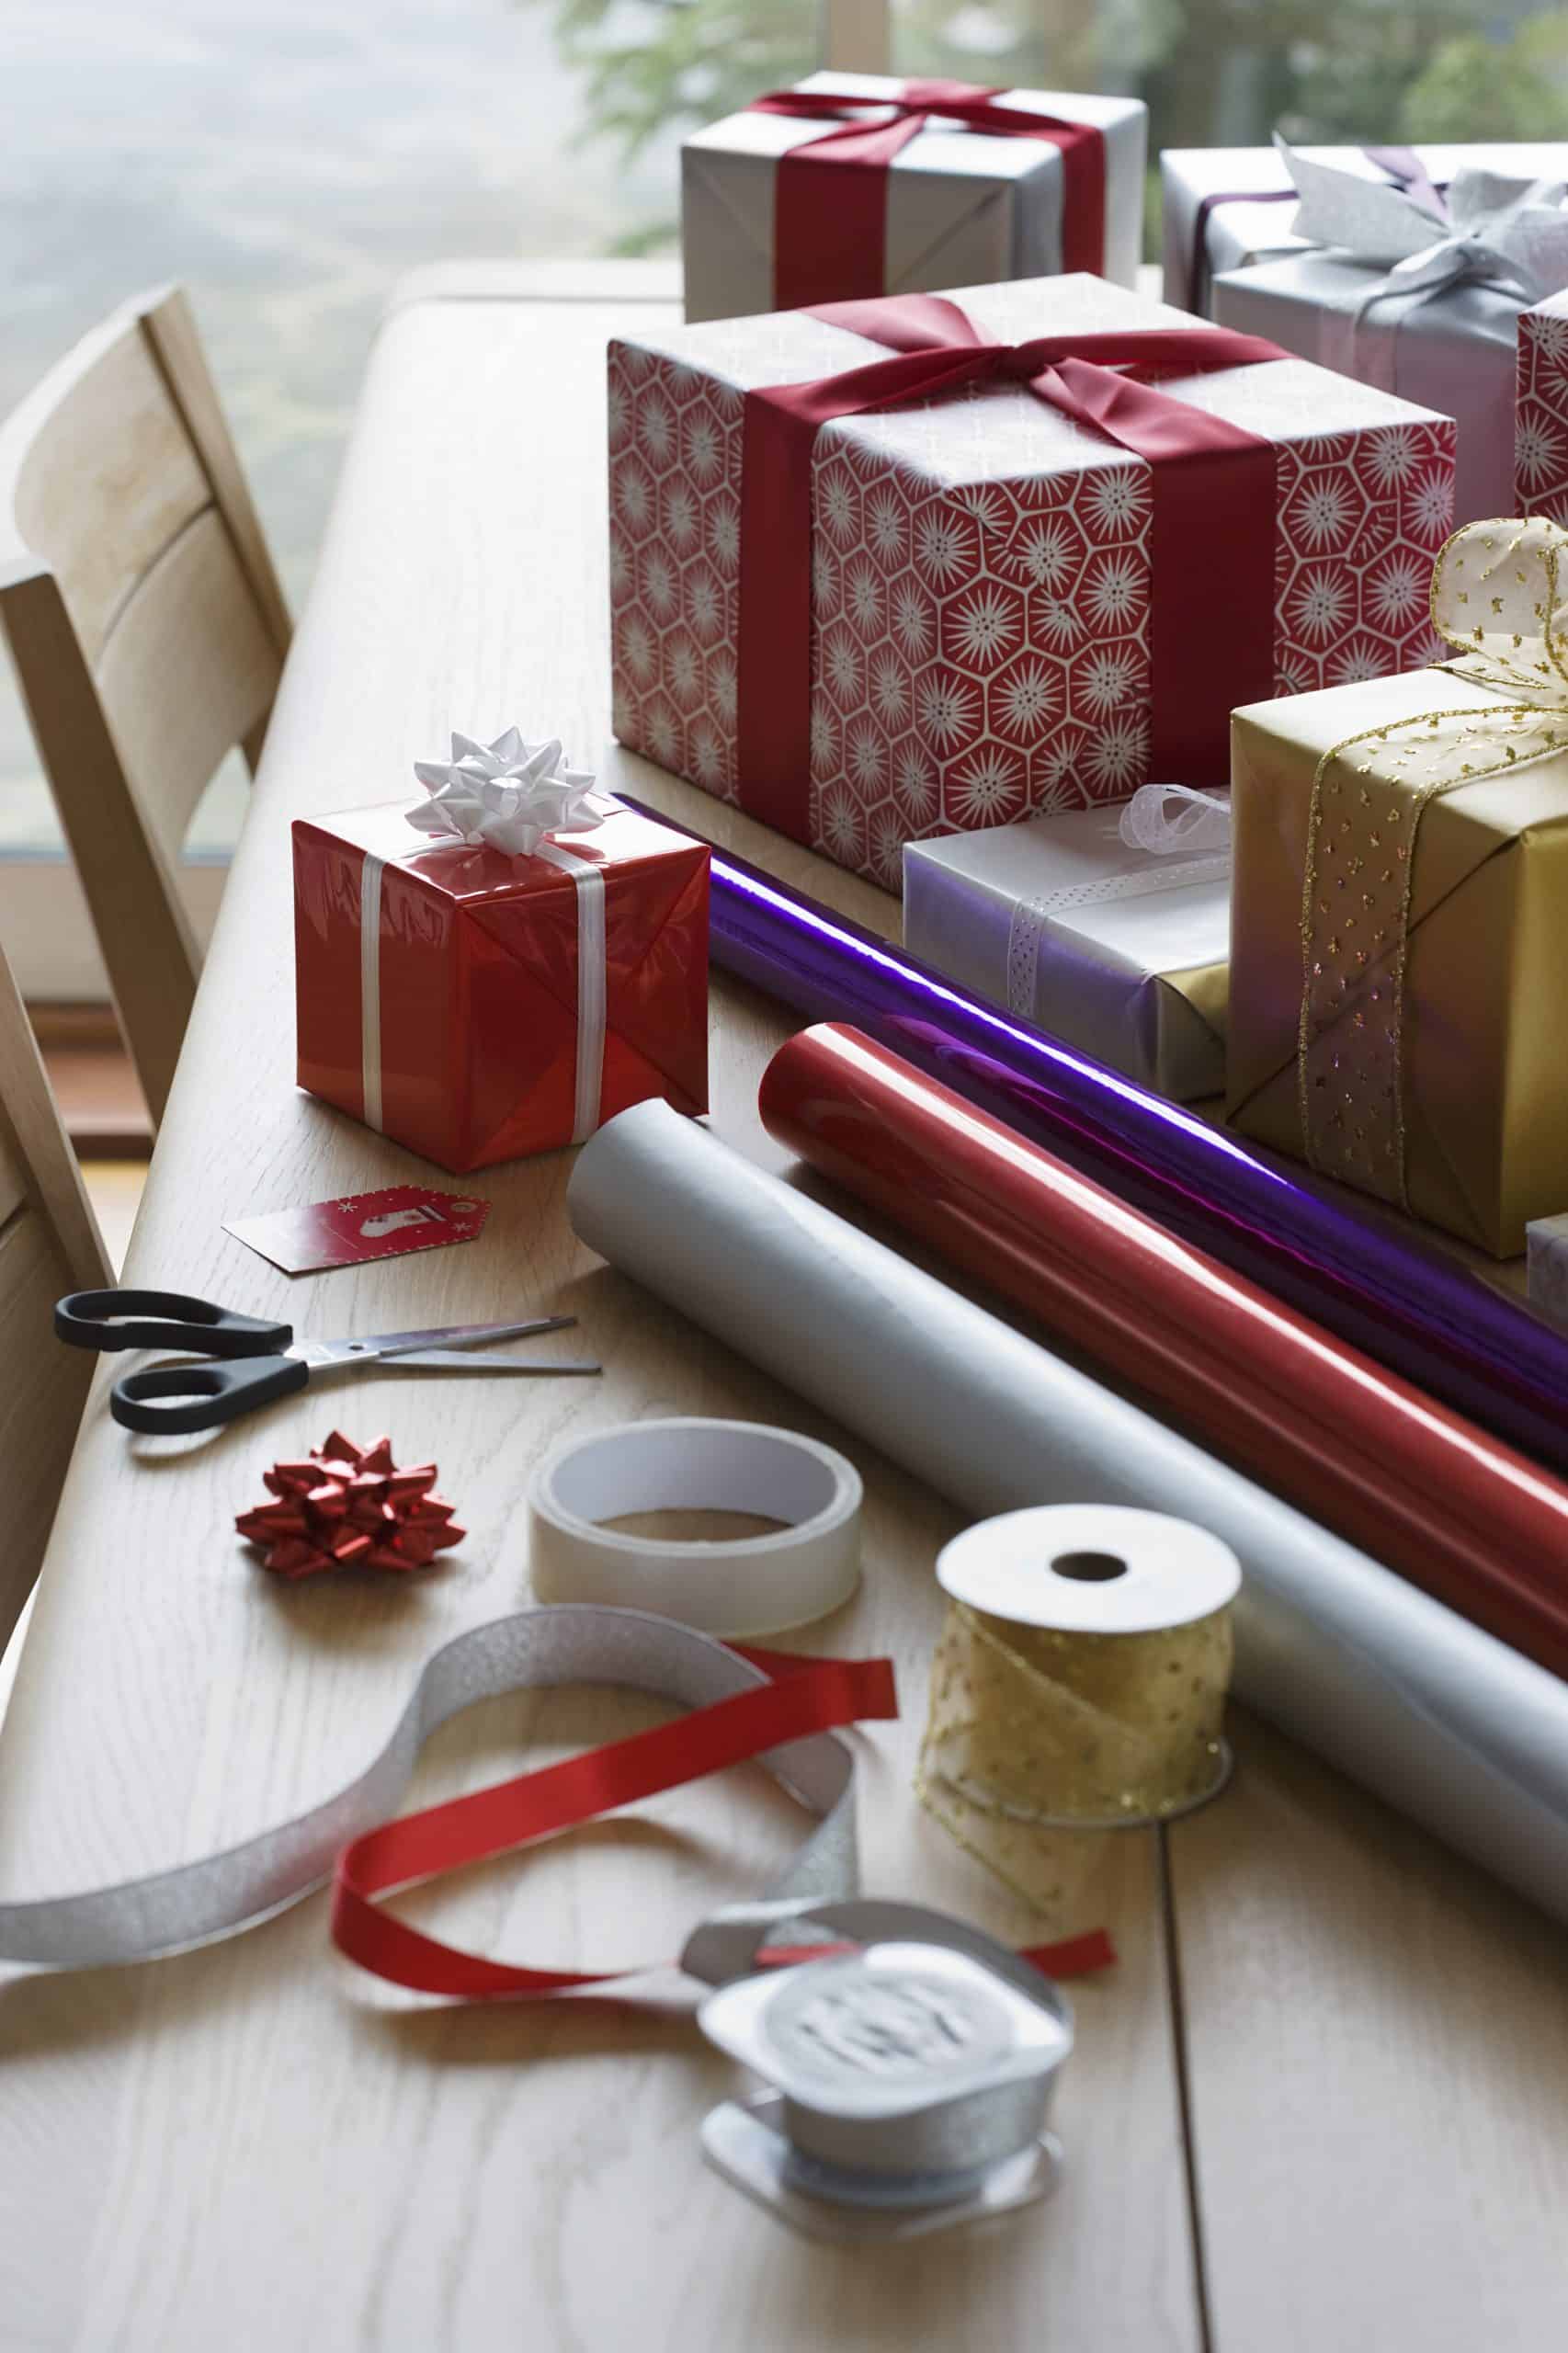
831, 200
1211, 537
349, 1507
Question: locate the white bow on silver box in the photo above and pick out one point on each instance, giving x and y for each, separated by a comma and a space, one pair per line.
1497, 230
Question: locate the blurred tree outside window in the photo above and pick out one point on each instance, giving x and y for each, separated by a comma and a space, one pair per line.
1214, 72
288, 159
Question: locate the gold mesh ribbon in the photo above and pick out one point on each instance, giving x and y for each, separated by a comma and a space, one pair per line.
1032, 1731
1496, 601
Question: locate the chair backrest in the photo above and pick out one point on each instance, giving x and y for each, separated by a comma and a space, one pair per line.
148, 631
49, 1245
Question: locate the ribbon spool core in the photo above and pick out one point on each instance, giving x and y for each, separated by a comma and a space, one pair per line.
1090, 1568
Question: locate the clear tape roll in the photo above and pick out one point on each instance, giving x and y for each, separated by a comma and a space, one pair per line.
1079, 1681
733, 1587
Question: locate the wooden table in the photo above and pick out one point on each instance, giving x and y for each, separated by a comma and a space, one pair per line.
1322, 2102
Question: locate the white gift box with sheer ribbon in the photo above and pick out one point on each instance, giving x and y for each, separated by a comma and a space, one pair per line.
1110, 928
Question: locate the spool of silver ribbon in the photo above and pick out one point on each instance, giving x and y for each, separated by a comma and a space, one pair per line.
913, 2074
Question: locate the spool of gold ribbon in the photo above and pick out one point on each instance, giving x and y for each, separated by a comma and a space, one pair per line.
1079, 1682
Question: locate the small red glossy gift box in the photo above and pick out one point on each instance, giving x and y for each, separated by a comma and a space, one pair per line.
479, 1006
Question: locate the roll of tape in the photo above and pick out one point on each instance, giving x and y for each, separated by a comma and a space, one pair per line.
1080, 1679
733, 1587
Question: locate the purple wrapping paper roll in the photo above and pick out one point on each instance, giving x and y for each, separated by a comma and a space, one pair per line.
1405, 1302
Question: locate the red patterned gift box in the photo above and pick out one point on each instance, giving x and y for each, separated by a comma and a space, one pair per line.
883, 571
479, 1006
1540, 412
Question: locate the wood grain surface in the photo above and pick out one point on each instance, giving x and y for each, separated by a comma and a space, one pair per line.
249, 2146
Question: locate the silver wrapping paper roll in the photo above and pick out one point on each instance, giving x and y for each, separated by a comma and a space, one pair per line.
1440, 1719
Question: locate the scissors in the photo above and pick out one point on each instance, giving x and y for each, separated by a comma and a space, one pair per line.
249, 1363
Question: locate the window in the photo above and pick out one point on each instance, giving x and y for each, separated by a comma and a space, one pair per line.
289, 159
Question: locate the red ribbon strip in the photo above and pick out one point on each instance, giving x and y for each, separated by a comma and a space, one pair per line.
808, 1695
1212, 540
831, 196
1073, 1957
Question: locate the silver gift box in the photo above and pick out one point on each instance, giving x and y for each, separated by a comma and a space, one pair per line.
1251, 203
1119, 951
1456, 353
963, 210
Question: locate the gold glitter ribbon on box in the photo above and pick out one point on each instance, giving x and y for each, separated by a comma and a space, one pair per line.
1496, 601
1078, 1684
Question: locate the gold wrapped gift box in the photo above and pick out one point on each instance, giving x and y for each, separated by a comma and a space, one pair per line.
1399, 1023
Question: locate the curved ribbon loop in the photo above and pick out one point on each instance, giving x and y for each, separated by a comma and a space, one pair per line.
780, 1703
787, 1699
1202, 821
1498, 598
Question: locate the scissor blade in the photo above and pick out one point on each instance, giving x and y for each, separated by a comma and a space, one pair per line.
366, 1350
458, 1360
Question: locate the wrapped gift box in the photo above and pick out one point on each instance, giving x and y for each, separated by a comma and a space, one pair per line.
1226, 208
1119, 950
448, 995
997, 622
1495, 361
1546, 1262
1418, 1058
954, 206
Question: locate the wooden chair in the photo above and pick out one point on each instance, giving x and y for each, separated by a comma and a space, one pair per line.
49, 1244
148, 631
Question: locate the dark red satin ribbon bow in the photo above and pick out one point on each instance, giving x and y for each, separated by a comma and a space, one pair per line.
1212, 539
830, 222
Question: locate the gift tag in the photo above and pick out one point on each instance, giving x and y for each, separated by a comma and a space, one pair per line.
360, 1226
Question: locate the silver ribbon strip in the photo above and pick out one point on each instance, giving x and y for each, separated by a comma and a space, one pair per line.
592, 983
371, 985
593, 980
1202, 821
569, 1643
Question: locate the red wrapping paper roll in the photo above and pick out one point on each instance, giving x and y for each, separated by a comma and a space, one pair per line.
1419, 1487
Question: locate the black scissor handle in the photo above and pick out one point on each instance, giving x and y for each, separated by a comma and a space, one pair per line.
163, 1319
174, 1399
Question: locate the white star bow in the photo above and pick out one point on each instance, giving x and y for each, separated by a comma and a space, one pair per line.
509, 793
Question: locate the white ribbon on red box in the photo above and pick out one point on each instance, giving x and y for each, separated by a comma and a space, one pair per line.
509, 795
